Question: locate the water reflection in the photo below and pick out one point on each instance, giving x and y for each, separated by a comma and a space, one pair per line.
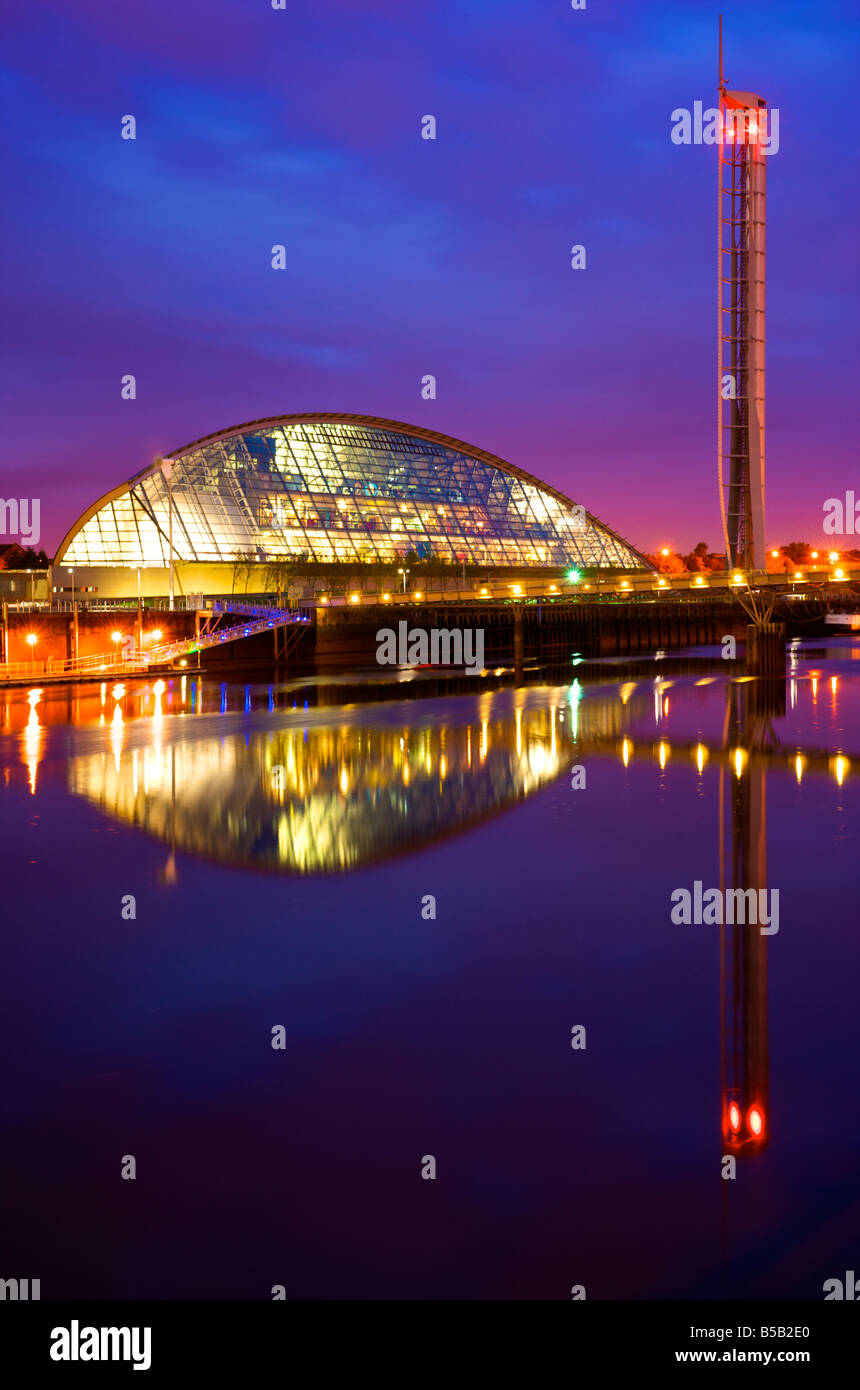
318, 799
282, 779
32, 738
742, 828
298, 792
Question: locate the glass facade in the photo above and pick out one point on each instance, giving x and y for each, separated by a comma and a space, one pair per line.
341, 489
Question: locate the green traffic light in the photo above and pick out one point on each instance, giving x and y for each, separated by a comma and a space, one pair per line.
574, 576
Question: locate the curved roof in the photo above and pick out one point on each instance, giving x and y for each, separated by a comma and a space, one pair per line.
370, 433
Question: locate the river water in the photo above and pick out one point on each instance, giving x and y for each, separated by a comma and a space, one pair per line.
455, 913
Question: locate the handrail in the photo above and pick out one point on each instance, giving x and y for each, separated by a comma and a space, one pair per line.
140, 662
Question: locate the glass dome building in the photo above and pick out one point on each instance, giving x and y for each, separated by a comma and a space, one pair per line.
339, 488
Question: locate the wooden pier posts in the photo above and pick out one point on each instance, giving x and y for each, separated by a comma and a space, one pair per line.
766, 649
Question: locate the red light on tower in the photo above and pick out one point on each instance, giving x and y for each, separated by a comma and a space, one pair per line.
755, 1120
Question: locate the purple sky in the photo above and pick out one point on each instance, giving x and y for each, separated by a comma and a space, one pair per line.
406, 256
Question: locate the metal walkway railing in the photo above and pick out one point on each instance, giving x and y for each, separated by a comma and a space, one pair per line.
261, 619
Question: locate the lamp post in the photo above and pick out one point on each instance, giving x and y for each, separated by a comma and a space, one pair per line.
404, 573
74, 617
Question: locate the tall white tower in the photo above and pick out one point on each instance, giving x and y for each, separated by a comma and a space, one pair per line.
741, 299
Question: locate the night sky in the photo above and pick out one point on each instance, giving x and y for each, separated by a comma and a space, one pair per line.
406, 256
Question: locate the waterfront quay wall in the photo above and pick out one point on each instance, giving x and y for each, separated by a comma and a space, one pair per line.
550, 631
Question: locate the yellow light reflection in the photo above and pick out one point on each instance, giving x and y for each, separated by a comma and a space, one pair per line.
701, 756
739, 761
117, 735
840, 767
32, 739
799, 764
625, 752
662, 753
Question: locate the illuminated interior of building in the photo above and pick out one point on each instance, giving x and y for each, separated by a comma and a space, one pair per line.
331, 488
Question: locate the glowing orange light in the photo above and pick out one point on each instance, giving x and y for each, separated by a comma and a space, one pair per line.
734, 1117
31, 639
755, 1120
116, 637
775, 554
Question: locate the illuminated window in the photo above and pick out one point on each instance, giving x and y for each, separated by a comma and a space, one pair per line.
339, 490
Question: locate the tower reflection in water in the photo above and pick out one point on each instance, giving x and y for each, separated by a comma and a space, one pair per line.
749, 735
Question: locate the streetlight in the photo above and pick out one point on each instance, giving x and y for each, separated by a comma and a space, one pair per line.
31, 639
404, 573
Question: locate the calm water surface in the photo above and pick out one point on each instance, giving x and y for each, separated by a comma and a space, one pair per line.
278, 843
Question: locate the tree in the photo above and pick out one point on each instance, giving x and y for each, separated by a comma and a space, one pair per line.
243, 564
799, 552
279, 572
